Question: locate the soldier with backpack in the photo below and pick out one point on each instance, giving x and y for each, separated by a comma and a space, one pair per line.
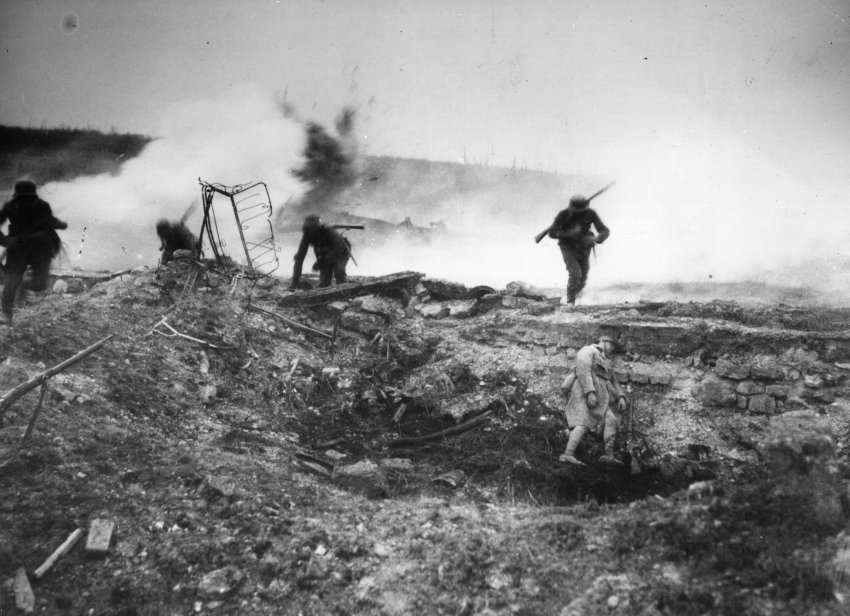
332, 252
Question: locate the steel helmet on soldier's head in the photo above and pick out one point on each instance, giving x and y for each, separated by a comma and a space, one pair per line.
579, 202
24, 188
311, 221
607, 338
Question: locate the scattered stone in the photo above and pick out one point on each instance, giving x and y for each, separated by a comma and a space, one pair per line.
75, 285
99, 536
767, 368
749, 388
364, 477
524, 289
208, 394
363, 323
813, 381
60, 286
220, 583
713, 391
777, 391
24, 597
762, 404
390, 309
461, 309
434, 311
451, 479
731, 370
444, 290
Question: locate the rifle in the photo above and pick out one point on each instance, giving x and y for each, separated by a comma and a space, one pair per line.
545, 231
346, 227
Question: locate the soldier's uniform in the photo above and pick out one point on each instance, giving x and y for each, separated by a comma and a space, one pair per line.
332, 252
32, 242
594, 373
572, 229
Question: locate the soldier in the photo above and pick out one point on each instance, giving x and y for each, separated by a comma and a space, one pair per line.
332, 252
32, 242
572, 230
595, 399
175, 236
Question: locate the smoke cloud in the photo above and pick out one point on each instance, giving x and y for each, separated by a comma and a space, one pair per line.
237, 138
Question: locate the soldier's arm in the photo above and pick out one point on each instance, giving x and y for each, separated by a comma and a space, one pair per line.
299, 260
584, 369
560, 222
602, 231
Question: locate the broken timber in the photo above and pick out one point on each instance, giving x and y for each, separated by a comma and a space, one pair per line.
458, 429
63, 549
13, 394
290, 322
348, 290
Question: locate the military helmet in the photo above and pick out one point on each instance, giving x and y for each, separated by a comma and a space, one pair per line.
579, 202
607, 338
24, 188
312, 221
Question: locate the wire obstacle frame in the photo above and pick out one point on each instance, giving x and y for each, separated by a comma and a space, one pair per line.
251, 205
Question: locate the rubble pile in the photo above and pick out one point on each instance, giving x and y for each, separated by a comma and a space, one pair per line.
391, 445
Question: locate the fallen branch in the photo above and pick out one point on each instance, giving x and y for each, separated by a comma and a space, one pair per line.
349, 290
290, 322
60, 551
453, 431
175, 333
13, 394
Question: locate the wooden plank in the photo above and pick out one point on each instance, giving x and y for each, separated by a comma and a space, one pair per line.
99, 537
63, 549
348, 290
13, 394
24, 598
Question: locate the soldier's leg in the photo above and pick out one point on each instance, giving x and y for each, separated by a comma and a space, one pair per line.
325, 275
339, 271
16, 265
583, 260
609, 436
574, 273
40, 276
576, 435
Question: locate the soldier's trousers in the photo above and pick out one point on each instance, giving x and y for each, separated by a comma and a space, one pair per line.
17, 260
577, 260
332, 270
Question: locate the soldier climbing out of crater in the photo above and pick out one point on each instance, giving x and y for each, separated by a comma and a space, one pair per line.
595, 400
32, 242
174, 236
332, 252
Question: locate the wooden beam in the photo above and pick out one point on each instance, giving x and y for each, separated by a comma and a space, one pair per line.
348, 290
60, 551
13, 394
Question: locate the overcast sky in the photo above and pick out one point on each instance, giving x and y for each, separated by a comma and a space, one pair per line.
691, 104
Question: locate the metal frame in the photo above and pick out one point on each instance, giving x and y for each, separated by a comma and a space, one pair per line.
249, 202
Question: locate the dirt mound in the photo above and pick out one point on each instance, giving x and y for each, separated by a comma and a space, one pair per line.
397, 452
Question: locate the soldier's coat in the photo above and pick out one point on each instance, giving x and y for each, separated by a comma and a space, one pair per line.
594, 373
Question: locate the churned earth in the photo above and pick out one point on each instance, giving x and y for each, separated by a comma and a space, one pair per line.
397, 453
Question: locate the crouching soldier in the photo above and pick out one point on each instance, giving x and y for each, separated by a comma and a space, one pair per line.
32, 242
332, 252
595, 400
174, 236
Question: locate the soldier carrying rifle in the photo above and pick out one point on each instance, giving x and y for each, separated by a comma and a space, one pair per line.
576, 240
331, 248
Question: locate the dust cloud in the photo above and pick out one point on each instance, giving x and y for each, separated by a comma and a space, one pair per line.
238, 137
692, 203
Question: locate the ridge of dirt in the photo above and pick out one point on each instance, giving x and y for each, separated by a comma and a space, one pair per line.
196, 454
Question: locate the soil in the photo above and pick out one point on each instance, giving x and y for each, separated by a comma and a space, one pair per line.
254, 467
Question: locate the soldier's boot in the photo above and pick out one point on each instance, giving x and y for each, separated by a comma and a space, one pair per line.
608, 457
572, 444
